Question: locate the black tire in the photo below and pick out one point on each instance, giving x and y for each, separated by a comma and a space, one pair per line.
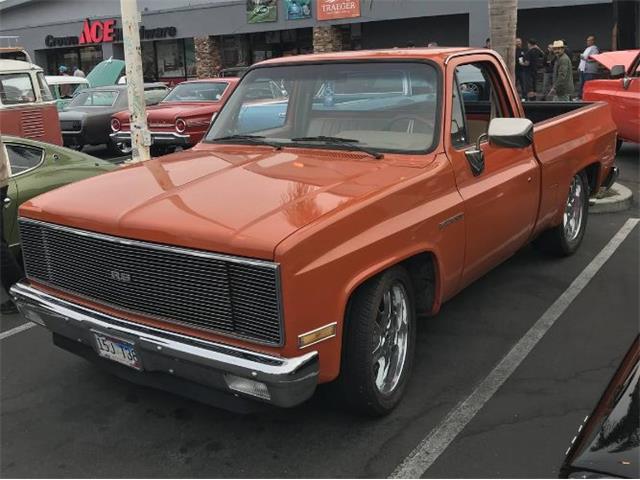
356, 385
76, 147
117, 149
556, 240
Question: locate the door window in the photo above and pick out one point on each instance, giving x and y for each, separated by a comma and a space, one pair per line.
481, 97
16, 88
23, 158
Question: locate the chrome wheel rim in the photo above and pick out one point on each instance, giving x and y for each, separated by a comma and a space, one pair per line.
574, 210
124, 147
390, 338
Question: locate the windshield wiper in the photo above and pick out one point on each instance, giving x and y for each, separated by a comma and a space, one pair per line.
351, 143
258, 139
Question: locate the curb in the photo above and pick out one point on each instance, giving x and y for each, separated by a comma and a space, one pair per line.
619, 201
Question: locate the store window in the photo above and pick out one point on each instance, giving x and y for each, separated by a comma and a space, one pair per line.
84, 57
171, 61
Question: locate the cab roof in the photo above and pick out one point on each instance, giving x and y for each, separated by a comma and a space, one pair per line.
433, 53
7, 65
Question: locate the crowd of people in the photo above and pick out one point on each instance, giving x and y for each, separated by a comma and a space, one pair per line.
549, 75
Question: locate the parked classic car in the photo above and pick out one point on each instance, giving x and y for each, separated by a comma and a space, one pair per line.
621, 91
86, 119
607, 444
38, 167
27, 108
261, 264
180, 119
63, 87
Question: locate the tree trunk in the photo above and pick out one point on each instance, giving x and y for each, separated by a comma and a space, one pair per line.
503, 18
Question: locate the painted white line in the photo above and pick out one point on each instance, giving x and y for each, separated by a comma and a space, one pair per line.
18, 329
438, 439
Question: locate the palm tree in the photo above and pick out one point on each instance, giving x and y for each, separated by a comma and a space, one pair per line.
503, 18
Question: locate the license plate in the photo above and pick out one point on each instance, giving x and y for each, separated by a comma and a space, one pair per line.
117, 350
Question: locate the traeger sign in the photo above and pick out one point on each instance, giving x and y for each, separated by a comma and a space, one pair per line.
102, 31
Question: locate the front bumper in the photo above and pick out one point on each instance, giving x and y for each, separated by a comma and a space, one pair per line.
289, 381
157, 138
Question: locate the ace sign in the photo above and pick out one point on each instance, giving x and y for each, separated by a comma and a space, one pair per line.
334, 9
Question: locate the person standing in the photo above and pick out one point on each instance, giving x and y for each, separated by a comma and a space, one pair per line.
533, 60
587, 69
547, 79
77, 72
520, 78
562, 88
10, 271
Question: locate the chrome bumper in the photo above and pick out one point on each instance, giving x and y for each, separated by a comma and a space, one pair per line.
289, 381
158, 138
611, 178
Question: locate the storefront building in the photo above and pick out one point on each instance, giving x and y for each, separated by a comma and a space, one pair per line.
184, 39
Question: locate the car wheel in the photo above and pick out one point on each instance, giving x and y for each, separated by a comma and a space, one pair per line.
379, 343
76, 147
120, 147
565, 239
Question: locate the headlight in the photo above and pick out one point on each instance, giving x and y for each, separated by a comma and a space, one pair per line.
115, 124
181, 125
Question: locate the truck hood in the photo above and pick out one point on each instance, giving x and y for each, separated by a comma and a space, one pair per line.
240, 200
621, 57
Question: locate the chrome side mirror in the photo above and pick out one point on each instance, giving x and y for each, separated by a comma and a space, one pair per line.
510, 132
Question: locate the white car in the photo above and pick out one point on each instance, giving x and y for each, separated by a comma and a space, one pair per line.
64, 87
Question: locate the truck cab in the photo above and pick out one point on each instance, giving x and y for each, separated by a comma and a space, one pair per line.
27, 108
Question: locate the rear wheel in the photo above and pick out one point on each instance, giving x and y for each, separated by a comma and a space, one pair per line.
565, 239
379, 343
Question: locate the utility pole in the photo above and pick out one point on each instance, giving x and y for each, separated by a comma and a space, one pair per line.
140, 137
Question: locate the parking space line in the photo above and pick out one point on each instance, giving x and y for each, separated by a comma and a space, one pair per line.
18, 329
438, 439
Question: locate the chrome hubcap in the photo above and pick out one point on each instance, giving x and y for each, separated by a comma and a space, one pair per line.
390, 339
573, 212
124, 147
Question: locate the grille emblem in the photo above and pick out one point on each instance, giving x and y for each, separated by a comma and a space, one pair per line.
123, 277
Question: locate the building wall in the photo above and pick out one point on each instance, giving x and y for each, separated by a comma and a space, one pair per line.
572, 24
450, 30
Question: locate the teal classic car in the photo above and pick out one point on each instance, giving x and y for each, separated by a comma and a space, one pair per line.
64, 87
38, 167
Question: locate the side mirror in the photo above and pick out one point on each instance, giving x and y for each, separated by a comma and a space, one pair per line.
617, 71
511, 132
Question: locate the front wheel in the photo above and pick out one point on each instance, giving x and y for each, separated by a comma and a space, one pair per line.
565, 239
379, 343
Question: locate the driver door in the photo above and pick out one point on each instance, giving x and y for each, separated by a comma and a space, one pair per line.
500, 202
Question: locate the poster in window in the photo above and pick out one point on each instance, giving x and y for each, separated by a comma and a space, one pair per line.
333, 9
259, 11
298, 9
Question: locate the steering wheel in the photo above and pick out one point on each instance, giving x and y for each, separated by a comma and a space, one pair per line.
411, 121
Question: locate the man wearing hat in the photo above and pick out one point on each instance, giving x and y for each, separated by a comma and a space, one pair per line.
562, 74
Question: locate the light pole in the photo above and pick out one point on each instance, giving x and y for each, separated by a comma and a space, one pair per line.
140, 137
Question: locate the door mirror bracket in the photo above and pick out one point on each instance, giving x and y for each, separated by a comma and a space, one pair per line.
475, 156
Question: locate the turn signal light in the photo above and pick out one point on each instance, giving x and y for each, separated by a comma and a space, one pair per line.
317, 335
248, 386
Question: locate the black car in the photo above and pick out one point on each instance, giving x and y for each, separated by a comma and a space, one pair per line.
608, 442
86, 119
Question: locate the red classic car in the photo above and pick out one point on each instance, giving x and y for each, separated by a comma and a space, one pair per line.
181, 119
621, 90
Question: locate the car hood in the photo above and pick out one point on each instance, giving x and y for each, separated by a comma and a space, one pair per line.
621, 57
177, 109
240, 200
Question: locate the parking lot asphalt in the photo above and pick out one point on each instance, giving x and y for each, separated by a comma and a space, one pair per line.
62, 416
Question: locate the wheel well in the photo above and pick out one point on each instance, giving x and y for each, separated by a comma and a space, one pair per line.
592, 172
422, 270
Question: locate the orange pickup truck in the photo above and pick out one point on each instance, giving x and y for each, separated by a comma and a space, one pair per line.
303, 246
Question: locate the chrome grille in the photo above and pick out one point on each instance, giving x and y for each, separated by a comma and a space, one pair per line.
70, 125
230, 295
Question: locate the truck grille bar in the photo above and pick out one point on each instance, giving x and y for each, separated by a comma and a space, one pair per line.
235, 296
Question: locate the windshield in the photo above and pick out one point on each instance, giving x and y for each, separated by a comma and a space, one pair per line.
378, 105
197, 92
95, 98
